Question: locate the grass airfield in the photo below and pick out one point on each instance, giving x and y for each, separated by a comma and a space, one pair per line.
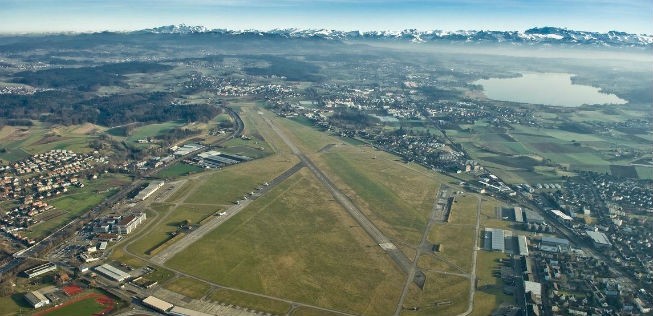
297, 243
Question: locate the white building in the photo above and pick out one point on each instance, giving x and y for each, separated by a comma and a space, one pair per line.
112, 272
128, 223
157, 304
149, 190
40, 270
36, 299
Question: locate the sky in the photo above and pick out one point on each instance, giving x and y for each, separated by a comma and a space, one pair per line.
27, 16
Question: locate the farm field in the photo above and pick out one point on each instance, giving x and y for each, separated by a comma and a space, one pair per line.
20, 142
526, 154
296, 245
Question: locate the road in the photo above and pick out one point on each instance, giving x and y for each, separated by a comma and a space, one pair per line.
438, 214
212, 224
384, 242
37, 249
472, 279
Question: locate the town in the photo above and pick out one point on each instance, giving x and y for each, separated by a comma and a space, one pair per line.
208, 183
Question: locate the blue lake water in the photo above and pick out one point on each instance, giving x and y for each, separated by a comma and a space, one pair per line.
545, 88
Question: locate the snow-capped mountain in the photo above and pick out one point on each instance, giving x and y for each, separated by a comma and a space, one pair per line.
177, 29
543, 35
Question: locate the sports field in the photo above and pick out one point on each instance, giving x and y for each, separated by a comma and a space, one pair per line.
84, 305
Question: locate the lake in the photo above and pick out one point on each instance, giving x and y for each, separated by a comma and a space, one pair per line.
545, 88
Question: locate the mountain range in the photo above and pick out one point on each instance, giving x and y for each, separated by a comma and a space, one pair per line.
533, 36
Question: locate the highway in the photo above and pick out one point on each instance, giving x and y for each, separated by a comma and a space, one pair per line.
216, 221
384, 242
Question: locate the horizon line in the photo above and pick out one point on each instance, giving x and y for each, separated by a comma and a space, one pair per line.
210, 29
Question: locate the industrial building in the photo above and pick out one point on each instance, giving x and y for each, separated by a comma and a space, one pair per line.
149, 190
36, 299
533, 287
561, 215
599, 239
112, 272
496, 239
186, 149
180, 311
522, 242
554, 244
40, 270
235, 157
519, 215
219, 160
216, 159
128, 223
533, 217
157, 304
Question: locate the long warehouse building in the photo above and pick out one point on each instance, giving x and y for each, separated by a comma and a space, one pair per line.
523, 245
112, 272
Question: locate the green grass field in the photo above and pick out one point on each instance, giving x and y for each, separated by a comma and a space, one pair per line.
308, 139
178, 170
20, 142
442, 295
230, 184
172, 216
251, 301
456, 247
505, 153
384, 190
307, 311
644, 172
188, 287
12, 305
152, 130
464, 210
289, 246
489, 289
87, 307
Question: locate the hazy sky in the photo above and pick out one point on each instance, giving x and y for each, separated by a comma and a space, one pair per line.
634, 16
